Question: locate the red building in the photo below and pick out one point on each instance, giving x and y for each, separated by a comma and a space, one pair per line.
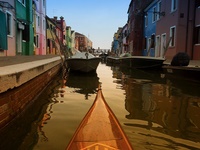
135, 25
82, 43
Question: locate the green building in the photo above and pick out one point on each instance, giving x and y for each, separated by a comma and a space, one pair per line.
24, 31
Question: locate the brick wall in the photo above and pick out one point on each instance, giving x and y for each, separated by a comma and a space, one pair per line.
14, 101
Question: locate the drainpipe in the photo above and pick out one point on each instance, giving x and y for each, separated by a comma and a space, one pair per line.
193, 39
186, 43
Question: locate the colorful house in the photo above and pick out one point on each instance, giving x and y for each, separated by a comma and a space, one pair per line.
39, 27
178, 29
124, 39
82, 43
24, 31
73, 41
53, 45
135, 25
68, 38
150, 18
117, 42
7, 28
61, 33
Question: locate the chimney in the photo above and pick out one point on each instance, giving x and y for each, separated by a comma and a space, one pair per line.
55, 18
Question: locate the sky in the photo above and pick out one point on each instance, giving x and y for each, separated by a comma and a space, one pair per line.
96, 19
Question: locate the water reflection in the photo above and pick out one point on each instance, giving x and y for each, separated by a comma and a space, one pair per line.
23, 133
85, 84
160, 104
155, 111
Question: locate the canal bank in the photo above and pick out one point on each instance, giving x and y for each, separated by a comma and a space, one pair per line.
22, 79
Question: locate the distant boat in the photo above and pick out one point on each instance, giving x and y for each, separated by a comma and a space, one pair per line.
83, 62
99, 129
138, 62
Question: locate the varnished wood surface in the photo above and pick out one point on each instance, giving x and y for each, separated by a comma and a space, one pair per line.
99, 130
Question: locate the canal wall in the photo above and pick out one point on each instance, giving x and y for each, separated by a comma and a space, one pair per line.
21, 83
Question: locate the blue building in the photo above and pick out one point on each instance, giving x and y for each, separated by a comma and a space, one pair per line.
151, 15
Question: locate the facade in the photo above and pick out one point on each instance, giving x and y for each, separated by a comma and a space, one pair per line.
73, 41
52, 42
135, 25
89, 44
169, 27
176, 28
124, 39
61, 24
39, 27
117, 42
60, 34
150, 18
24, 31
82, 43
68, 38
196, 46
7, 28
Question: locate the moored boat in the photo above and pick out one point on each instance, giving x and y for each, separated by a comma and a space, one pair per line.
138, 62
191, 73
99, 129
83, 62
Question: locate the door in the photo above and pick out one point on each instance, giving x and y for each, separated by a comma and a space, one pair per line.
157, 48
163, 45
19, 41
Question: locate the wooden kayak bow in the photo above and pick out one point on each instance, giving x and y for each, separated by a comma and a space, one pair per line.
99, 129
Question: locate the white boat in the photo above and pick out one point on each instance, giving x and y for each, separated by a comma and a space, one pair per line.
83, 62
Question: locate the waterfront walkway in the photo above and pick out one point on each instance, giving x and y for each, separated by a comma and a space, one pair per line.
13, 60
16, 70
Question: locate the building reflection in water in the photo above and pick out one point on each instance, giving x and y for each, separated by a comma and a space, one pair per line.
161, 102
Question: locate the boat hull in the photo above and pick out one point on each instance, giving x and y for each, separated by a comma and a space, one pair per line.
83, 65
183, 72
99, 129
138, 62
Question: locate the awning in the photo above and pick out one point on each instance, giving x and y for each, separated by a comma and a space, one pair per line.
23, 21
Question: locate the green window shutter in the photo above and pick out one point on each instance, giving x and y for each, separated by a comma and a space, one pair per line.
3, 32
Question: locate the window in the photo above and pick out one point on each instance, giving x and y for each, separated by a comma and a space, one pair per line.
172, 36
152, 40
197, 4
44, 3
9, 23
158, 10
145, 43
22, 1
173, 5
154, 14
51, 27
44, 24
197, 35
37, 41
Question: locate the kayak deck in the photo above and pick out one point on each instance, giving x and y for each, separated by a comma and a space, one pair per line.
99, 129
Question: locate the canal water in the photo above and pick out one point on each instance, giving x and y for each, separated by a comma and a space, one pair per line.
157, 112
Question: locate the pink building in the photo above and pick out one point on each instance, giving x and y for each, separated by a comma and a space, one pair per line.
7, 11
178, 28
39, 26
